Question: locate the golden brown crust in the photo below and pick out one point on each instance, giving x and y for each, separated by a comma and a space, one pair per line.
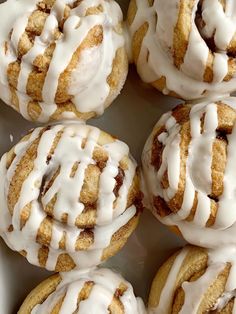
53, 284
40, 293
182, 31
89, 197
226, 121
193, 267
175, 48
65, 261
36, 80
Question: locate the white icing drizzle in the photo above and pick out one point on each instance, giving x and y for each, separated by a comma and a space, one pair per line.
219, 24
88, 85
224, 300
170, 158
198, 180
194, 291
168, 290
112, 213
157, 49
228, 197
105, 284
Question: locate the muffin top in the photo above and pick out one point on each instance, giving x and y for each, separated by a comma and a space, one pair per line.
189, 172
195, 280
88, 291
60, 58
66, 191
185, 48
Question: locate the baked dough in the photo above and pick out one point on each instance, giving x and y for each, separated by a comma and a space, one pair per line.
69, 196
61, 59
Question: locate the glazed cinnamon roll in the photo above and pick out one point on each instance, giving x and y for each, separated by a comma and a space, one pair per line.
189, 172
195, 280
61, 58
94, 291
69, 196
185, 48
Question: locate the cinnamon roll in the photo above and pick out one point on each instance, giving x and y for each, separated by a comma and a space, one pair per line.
94, 291
189, 172
185, 48
61, 59
69, 196
195, 280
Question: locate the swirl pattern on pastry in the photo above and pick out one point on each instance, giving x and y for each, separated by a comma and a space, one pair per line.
195, 280
94, 291
61, 58
69, 196
186, 48
189, 172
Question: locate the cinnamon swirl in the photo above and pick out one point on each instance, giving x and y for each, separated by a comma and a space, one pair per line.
190, 174
61, 59
186, 48
195, 280
94, 291
69, 196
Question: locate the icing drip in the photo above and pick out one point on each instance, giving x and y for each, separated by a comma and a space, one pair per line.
164, 305
111, 210
88, 86
194, 291
159, 50
224, 300
198, 177
105, 284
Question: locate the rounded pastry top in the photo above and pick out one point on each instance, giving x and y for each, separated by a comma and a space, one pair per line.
69, 196
189, 171
61, 59
185, 48
89, 291
195, 280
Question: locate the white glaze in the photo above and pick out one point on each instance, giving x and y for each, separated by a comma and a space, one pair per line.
198, 178
105, 284
224, 299
88, 92
112, 213
156, 55
167, 293
194, 291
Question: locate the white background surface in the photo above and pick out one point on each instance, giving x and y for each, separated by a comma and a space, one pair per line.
130, 118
